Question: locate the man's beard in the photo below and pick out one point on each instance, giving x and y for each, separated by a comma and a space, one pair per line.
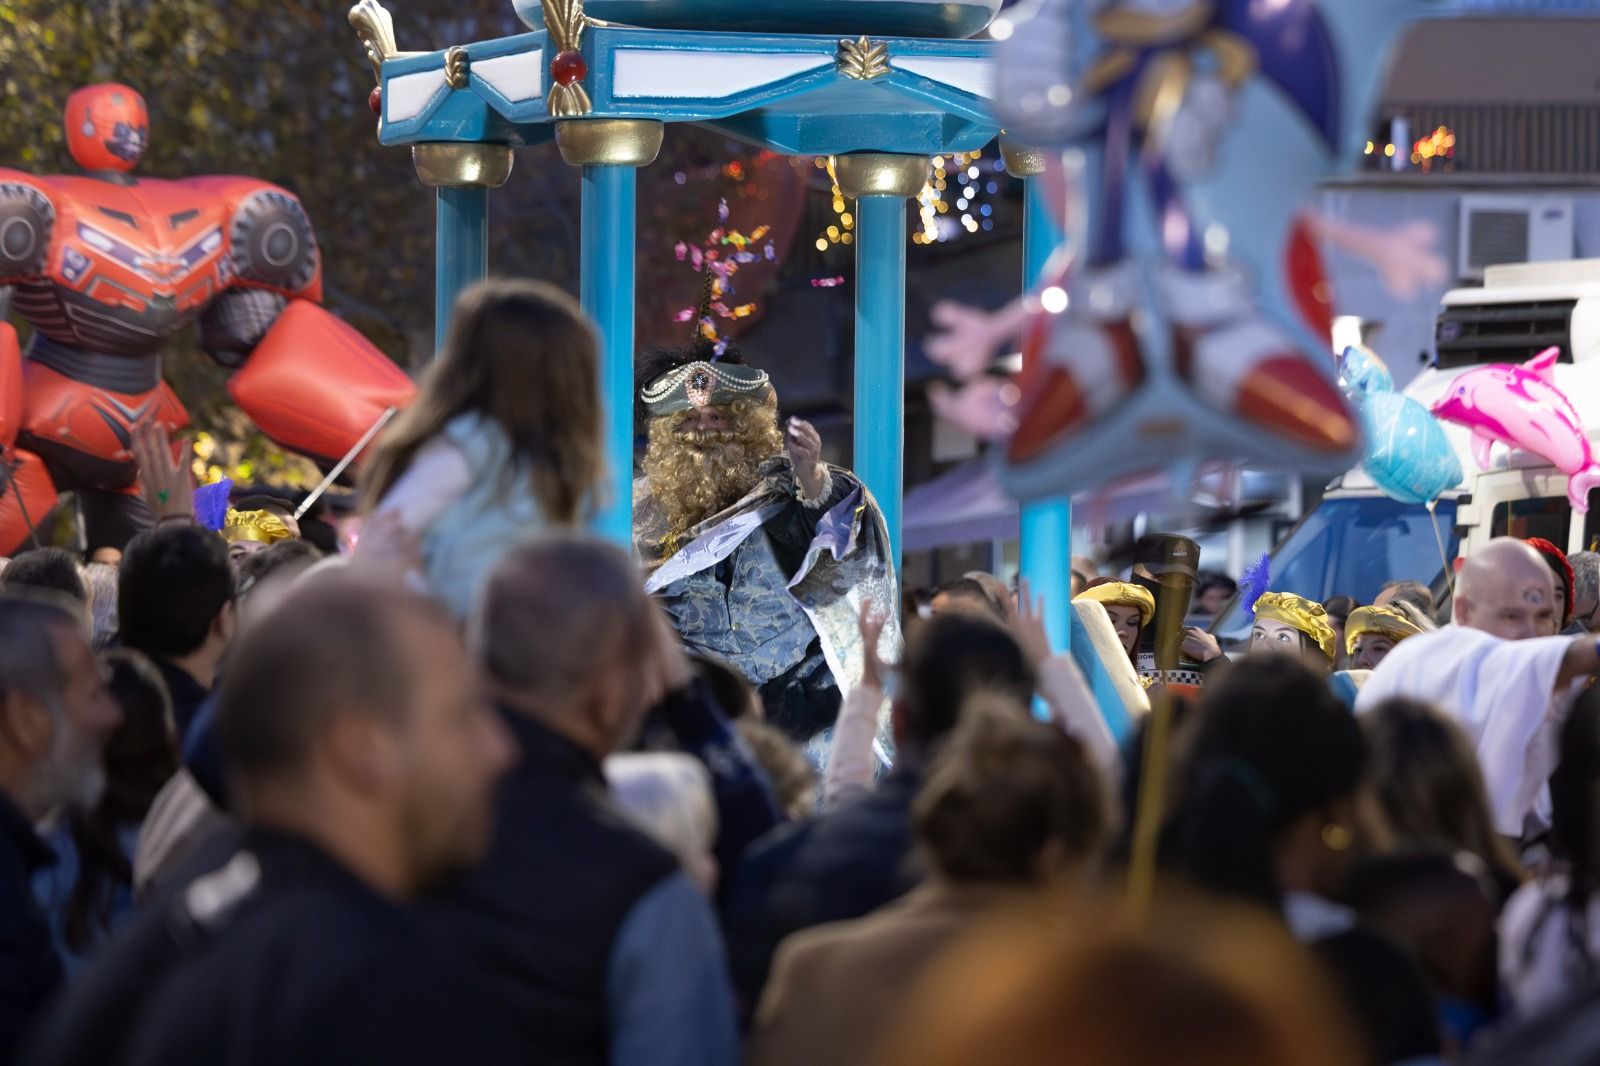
73, 775
694, 473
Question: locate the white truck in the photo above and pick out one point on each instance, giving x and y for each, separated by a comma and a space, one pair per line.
1356, 538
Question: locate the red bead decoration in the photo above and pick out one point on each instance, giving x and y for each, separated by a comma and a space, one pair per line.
568, 67
375, 100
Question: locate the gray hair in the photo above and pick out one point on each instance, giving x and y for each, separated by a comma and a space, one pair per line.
556, 611
667, 795
101, 581
30, 660
1585, 575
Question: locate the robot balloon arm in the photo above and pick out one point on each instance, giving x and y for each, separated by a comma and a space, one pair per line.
315, 385
308, 380
27, 493
235, 323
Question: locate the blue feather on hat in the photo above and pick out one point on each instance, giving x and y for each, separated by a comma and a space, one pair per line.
211, 504
1254, 583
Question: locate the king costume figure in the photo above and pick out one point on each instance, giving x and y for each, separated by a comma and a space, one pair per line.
761, 552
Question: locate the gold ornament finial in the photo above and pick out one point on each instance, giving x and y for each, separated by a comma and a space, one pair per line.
375, 27
565, 22
455, 67
863, 59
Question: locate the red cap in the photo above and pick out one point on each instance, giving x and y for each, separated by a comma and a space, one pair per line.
1563, 570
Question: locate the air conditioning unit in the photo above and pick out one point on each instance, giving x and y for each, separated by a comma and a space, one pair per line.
1512, 229
1518, 312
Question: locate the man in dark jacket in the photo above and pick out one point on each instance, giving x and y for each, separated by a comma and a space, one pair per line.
55, 716
851, 861
600, 949
364, 764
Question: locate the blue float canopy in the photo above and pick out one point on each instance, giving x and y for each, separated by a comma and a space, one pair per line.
793, 94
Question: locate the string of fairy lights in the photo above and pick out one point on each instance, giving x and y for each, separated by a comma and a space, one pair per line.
960, 178
956, 200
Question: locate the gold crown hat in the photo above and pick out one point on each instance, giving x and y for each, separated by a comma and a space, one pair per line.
1122, 594
262, 527
1384, 621
1299, 612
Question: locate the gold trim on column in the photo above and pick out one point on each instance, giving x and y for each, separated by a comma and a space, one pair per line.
618, 142
881, 174
453, 165
863, 59
456, 66
1020, 160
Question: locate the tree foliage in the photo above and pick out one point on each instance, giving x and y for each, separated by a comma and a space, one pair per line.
277, 89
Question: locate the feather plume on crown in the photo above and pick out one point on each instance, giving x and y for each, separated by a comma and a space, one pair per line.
1255, 581
211, 504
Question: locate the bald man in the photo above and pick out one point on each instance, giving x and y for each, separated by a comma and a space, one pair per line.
1491, 671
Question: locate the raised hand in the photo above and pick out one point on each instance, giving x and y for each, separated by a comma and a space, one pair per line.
1027, 625
165, 480
1200, 646
385, 543
870, 623
804, 445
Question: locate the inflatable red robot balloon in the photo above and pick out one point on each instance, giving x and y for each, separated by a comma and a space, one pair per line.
107, 267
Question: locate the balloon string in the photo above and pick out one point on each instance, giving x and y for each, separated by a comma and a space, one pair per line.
1444, 556
1151, 802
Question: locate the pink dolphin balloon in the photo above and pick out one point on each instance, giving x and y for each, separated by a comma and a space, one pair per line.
1521, 407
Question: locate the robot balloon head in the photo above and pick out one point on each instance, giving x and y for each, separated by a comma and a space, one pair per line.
107, 127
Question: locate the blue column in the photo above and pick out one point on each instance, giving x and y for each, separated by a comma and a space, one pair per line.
880, 432
606, 290
462, 253
1046, 533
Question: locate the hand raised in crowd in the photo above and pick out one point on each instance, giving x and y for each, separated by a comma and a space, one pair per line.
164, 478
870, 623
804, 445
1027, 625
1200, 646
385, 543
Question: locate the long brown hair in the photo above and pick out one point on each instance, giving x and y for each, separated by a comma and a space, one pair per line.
1427, 780
523, 354
1002, 790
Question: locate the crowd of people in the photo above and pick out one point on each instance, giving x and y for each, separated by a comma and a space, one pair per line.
484, 790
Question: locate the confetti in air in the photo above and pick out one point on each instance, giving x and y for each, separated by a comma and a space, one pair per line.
718, 258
